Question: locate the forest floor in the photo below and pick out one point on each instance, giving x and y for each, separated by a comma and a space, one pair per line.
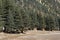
32, 35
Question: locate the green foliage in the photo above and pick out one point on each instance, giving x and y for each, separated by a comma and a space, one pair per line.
19, 15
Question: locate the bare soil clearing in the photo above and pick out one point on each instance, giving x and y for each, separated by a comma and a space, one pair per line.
32, 35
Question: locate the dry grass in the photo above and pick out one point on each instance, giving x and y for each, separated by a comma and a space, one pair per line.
32, 35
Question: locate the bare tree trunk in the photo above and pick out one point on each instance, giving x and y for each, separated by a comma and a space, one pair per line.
43, 29
22, 30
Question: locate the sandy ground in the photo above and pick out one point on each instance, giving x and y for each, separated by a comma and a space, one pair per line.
32, 35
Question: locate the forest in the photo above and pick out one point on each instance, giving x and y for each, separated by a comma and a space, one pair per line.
22, 15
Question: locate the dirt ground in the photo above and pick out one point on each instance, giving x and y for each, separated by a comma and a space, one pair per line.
32, 35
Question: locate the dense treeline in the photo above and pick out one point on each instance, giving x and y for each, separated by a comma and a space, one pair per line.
19, 15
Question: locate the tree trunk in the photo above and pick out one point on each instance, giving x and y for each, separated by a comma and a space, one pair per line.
22, 31
43, 29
